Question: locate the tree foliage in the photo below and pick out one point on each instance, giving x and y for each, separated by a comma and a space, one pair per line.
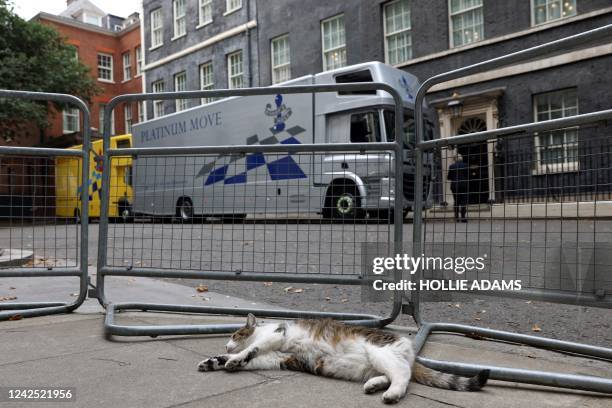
34, 57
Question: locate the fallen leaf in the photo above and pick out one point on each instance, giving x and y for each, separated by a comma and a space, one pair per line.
267, 283
457, 305
528, 302
291, 289
74, 294
12, 288
4, 298
202, 288
328, 298
344, 300
536, 328
477, 318
16, 317
530, 356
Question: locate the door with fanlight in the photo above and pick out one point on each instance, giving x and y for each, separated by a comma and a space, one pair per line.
475, 155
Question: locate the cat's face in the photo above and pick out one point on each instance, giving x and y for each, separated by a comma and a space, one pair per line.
242, 337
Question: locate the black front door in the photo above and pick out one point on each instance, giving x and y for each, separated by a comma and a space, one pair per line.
476, 157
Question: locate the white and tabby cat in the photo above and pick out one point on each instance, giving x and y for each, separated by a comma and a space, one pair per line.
332, 349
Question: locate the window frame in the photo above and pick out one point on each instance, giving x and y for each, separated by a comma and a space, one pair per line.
231, 75
201, 5
142, 111
343, 46
127, 68
159, 102
71, 112
229, 9
566, 166
155, 29
450, 24
179, 21
273, 68
127, 119
387, 35
208, 85
101, 107
138, 52
547, 21
180, 104
105, 68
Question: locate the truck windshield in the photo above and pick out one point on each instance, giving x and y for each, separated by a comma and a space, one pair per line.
407, 126
365, 127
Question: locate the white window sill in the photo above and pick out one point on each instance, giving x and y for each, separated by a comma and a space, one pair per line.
106, 81
203, 24
66, 132
156, 47
126, 80
178, 36
228, 12
138, 75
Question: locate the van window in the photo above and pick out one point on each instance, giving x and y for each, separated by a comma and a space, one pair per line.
408, 127
365, 127
123, 144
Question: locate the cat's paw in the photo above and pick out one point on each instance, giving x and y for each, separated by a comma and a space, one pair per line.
235, 363
391, 397
376, 384
212, 364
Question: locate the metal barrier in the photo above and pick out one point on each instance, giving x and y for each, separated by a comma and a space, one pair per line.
581, 290
266, 248
31, 203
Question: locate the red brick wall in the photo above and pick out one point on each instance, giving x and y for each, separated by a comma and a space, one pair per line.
89, 44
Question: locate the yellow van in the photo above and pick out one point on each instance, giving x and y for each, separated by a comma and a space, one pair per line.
68, 188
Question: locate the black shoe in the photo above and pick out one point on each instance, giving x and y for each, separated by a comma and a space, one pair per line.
464, 221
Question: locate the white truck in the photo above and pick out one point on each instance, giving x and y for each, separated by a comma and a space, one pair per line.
335, 185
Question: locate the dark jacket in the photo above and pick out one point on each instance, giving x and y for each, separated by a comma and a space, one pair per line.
459, 174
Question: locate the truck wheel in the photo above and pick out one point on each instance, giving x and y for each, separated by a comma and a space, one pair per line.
184, 210
125, 212
344, 203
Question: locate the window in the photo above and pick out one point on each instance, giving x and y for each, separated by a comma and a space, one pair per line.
544, 11
334, 43
365, 127
398, 38
180, 84
158, 106
105, 67
466, 22
71, 120
90, 19
556, 150
75, 49
180, 24
138, 61
281, 59
207, 80
101, 120
127, 115
141, 111
234, 70
232, 5
408, 128
157, 28
127, 66
205, 12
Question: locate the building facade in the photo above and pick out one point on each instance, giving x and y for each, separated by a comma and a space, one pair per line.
427, 38
198, 44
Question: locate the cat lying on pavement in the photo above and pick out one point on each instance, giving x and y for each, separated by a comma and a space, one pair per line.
329, 348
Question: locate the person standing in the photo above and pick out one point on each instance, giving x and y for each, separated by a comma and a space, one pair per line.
458, 174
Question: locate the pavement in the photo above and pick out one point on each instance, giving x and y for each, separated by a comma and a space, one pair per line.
71, 351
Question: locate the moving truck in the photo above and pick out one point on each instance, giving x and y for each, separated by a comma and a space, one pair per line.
336, 185
68, 186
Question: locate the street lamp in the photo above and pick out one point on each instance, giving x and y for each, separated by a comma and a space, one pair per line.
455, 107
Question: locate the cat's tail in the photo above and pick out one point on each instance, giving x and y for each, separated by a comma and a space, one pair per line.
432, 378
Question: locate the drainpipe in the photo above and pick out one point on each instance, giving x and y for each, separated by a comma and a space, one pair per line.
248, 33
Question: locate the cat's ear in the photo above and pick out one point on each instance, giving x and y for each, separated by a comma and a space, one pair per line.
251, 321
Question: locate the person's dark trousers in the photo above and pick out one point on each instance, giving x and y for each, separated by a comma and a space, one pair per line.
460, 199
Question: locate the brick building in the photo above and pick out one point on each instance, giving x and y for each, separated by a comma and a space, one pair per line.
110, 47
